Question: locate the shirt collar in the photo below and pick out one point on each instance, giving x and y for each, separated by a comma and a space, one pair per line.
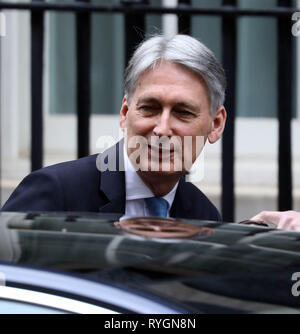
136, 188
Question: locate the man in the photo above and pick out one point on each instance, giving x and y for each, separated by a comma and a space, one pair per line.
174, 93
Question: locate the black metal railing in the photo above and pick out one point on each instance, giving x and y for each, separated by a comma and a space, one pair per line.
134, 12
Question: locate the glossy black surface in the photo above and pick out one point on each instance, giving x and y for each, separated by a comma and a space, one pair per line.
235, 268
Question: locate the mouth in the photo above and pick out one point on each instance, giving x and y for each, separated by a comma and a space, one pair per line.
159, 151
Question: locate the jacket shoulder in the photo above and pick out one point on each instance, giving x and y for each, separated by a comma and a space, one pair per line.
201, 205
55, 188
78, 166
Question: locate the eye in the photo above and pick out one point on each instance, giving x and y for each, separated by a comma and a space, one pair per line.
146, 107
184, 113
149, 109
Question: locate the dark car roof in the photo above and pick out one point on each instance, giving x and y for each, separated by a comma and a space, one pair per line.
228, 266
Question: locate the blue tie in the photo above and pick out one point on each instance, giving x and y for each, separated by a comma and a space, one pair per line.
157, 206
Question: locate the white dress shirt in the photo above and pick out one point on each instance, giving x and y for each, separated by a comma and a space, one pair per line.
137, 191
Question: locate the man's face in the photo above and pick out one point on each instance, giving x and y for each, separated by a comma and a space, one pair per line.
169, 102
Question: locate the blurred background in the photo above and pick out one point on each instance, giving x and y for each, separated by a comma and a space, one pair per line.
62, 88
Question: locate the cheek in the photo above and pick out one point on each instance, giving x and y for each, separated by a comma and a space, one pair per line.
139, 126
193, 138
190, 130
203, 128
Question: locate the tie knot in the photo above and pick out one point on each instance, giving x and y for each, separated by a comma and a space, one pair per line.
157, 206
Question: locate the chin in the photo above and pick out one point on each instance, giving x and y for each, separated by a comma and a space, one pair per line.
169, 173
161, 170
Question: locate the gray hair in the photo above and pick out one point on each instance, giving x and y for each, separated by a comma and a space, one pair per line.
180, 49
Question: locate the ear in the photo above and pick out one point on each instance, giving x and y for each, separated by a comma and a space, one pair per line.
218, 125
123, 112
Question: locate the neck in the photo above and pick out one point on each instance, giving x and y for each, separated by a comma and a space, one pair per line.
159, 184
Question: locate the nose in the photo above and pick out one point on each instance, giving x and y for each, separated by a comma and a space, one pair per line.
163, 126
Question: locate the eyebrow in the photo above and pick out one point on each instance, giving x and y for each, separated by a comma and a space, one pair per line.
147, 100
181, 104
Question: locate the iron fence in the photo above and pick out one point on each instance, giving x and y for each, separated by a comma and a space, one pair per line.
135, 12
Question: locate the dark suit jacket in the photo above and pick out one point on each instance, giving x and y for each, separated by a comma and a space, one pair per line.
79, 186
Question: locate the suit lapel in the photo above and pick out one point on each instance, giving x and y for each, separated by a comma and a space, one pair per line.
181, 206
113, 182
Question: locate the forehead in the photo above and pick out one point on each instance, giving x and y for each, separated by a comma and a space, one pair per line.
171, 78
